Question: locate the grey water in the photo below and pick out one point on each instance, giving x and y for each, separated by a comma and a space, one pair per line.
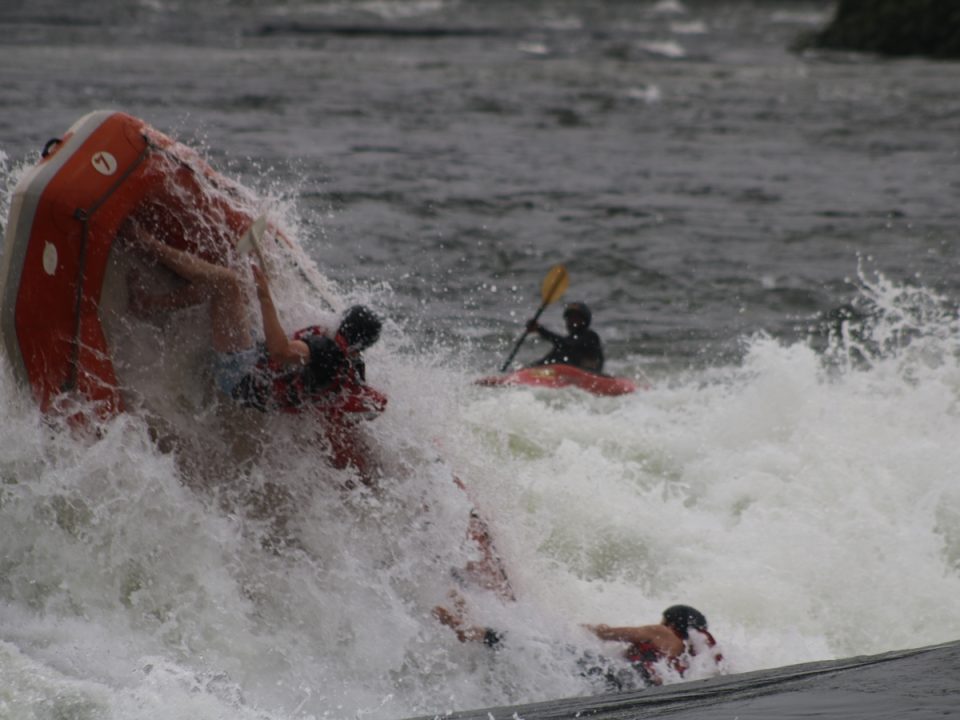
700, 180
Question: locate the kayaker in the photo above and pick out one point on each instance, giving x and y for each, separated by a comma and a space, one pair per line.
282, 373
680, 639
581, 347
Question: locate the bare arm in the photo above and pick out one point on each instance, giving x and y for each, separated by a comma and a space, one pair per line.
186, 265
144, 303
658, 635
279, 346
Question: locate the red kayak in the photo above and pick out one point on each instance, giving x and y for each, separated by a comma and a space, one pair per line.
561, 376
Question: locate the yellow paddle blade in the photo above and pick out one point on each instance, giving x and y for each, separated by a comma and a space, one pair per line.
554, 284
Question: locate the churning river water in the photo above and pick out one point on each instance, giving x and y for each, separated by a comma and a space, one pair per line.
769, 238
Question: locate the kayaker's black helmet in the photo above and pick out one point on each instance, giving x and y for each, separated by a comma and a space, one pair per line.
360, 327
578, 311
683, 617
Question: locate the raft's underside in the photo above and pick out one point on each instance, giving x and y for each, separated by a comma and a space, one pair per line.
915, 684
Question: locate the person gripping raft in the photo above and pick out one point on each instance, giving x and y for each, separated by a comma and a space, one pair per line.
335, 366
307, 371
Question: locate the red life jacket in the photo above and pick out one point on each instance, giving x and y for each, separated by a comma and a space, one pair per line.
681, 665
274, 386
645, 656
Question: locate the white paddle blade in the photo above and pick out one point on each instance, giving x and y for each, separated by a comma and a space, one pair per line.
250, 240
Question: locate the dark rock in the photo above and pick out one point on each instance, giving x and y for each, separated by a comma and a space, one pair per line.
893, 27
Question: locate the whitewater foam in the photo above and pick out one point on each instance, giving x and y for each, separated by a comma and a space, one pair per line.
805, 500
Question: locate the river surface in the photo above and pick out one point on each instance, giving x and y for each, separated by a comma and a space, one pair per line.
767, 238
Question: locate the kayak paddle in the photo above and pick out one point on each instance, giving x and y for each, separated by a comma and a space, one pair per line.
251, 239
251, 243
552, 289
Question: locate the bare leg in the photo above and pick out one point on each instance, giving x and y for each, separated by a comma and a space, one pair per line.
488, 572
223, 286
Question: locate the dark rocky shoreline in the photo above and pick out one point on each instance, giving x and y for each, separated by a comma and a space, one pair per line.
929, 28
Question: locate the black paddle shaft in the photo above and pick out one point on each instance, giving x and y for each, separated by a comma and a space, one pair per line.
550, 294
523, 337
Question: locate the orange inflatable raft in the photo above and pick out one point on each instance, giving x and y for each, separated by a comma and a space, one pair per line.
65, 215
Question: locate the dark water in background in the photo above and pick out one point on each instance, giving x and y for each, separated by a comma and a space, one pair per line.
701, 182
699, 179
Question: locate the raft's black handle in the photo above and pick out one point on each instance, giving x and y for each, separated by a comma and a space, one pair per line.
49, 146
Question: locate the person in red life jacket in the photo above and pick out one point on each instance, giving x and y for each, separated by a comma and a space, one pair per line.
334, 368
680, 640
307, 370
580, 347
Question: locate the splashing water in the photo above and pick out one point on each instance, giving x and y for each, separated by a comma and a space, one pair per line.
213, 565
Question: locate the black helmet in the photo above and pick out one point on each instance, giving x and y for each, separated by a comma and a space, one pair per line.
580, 310
360, 327
683, 617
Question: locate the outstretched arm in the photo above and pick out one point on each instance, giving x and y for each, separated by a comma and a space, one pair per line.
659, 635
143, 303
280, 347
186, 265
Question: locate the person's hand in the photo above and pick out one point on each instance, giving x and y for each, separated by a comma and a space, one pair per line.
532, 325
139, 238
